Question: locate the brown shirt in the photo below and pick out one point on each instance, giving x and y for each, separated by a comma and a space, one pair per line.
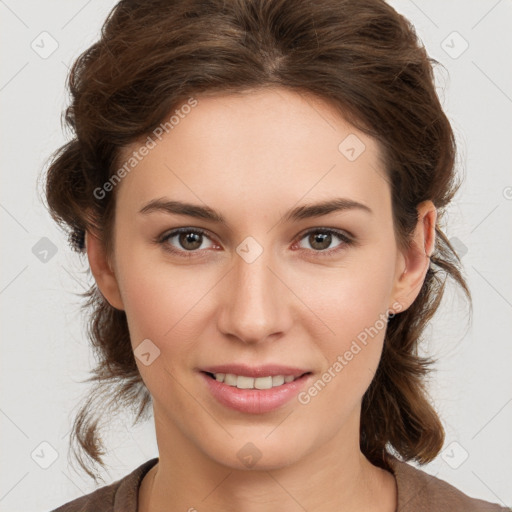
417, 492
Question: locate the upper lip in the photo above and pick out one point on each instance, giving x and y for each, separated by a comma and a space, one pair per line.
255, 371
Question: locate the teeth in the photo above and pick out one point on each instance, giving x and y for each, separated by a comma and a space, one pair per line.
243, 382
277, 380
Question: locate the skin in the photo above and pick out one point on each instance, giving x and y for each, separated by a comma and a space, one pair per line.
252, 157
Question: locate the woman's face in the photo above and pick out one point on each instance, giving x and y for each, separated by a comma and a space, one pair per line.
267, 285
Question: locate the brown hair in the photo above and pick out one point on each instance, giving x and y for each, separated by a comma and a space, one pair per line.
360, 56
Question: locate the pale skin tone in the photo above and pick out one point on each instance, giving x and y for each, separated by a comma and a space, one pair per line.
251, 158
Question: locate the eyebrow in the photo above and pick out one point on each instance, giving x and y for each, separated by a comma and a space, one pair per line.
299, 213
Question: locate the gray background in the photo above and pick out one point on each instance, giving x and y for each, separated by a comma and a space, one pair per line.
44, 350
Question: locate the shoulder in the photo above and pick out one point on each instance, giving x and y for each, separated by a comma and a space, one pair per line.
119, 496
419, 491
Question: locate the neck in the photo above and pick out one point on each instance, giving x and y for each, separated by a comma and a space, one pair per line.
336, 476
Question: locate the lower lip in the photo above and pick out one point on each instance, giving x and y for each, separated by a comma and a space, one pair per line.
254, 401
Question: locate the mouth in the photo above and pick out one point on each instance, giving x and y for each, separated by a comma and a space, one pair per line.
251, 394
247, 382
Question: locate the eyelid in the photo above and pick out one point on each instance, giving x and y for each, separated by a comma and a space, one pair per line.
319, 229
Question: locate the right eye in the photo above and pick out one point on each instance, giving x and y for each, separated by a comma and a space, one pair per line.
187, 241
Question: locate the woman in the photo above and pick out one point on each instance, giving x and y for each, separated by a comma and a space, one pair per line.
258, 187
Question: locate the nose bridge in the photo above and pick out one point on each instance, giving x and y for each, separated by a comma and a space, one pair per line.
255, 306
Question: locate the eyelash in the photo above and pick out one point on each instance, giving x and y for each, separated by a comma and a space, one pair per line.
163, 240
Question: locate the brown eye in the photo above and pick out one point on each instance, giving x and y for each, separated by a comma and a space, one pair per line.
185, 241
320, 240
190, 241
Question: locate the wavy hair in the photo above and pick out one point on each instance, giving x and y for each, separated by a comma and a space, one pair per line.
360, 56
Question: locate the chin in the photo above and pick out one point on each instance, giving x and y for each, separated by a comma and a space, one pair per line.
258, 454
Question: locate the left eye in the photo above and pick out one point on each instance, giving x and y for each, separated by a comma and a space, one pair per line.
321, 239
190, 240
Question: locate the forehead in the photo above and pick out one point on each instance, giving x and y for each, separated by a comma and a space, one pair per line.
265, 147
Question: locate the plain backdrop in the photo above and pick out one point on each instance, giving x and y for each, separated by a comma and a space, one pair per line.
44, 351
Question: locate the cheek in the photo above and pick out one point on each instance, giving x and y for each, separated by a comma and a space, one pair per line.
352, 299
163, 307
159, 303
352, 305
351, 356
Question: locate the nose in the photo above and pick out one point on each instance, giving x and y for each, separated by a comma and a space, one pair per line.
256, 305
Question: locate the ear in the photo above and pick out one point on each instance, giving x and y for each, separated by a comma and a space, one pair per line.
413, 264
102, 270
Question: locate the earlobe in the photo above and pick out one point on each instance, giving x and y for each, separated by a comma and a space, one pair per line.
102, 270
415, 261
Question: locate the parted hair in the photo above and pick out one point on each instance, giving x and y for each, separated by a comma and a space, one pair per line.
363, 58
